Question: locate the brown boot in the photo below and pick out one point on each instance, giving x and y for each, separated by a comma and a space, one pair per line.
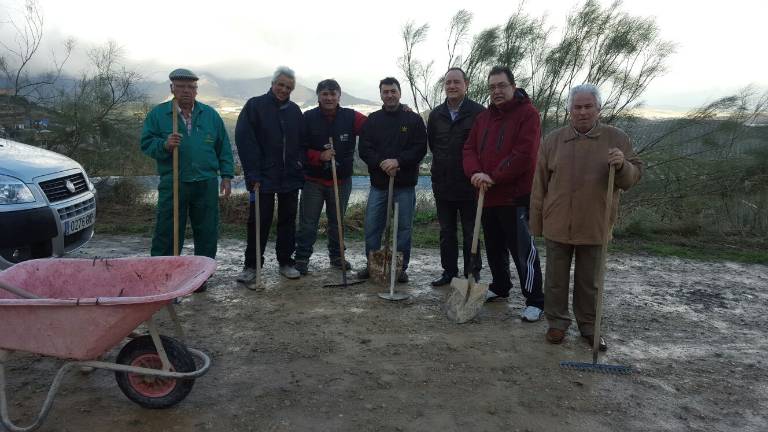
555, 336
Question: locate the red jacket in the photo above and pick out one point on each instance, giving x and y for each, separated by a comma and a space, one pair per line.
504, 143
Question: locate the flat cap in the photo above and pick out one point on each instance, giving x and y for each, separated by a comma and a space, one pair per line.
182, 74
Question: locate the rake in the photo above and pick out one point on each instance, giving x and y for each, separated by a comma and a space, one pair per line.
595, 366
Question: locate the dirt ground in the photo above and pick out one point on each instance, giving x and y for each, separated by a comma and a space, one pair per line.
300, 357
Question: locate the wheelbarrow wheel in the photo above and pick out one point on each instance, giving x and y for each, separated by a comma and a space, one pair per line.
152, 391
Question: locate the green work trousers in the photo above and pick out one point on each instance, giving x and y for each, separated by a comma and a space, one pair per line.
557, 280
200, 201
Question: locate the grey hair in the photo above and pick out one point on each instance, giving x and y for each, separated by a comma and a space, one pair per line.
283, 70
585, 88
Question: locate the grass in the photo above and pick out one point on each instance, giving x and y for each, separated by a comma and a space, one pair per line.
125, 212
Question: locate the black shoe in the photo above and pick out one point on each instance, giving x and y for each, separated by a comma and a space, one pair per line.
602, 346
363, 274
443, 280
403, 278
302, 267
336, 262
492, 297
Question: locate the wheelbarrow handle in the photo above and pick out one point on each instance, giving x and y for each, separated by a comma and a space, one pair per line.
18, 291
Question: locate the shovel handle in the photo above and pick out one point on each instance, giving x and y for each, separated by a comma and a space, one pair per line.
478, 218
175, 117
339, 221
257, 229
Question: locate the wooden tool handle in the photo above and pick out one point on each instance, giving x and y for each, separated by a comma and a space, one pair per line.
478, 218
339, 221
175, 117
601, 269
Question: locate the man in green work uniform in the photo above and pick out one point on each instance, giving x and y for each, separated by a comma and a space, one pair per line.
204, 155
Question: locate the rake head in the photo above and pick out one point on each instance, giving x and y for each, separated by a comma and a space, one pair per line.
597, 367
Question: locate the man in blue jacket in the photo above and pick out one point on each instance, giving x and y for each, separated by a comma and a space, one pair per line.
343, 125
270, 141
392, 143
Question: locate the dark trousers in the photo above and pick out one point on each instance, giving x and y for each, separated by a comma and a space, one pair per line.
506, 232
287, 204
447, 212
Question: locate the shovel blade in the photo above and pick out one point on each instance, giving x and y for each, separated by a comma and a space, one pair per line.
378, 266
466, 300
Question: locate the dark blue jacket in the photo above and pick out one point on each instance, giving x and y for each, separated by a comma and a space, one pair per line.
342, 130
397, 135
271, 144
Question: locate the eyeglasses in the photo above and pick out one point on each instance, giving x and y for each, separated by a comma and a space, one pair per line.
185, 86
500, 86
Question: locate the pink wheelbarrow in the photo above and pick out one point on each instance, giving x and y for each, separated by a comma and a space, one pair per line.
79, 309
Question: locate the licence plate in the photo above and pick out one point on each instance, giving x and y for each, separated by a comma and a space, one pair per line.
75, 225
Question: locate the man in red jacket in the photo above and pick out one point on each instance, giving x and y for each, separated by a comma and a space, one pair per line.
500, 158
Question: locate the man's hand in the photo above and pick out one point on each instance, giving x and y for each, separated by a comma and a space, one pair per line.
481, 181
173, 141
390, 166
616, 158
253, 186
326, 155
226, 187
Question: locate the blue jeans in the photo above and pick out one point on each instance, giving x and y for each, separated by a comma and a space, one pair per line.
313, 197
376, 215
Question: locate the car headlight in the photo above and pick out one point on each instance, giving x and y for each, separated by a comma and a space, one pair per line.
14, 191
88, 182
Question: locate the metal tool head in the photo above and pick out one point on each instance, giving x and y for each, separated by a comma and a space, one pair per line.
394, 296
466, 300
597, 367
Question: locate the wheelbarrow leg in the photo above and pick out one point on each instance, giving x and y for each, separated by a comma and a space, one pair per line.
158, 344
176, 323
5, 418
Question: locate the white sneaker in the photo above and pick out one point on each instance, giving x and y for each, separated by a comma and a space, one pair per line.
531, 314
247, 275
290, 272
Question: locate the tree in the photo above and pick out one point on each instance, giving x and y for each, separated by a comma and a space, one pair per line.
619, 53
20, 51
96, 112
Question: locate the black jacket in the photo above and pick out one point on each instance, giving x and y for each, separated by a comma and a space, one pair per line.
446, 140
397, 135
342, 130
271, 143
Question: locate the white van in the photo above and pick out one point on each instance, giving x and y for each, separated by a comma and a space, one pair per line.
47, 204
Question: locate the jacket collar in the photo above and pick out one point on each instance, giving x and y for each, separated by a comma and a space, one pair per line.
593, 133
276, 101
520, 98
196, 108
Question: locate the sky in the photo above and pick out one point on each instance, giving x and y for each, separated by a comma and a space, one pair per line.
719, 49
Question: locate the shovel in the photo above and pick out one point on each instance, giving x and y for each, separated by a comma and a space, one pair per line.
595, 366
468, 295
392, 295
378, 260
256, 284
340, 223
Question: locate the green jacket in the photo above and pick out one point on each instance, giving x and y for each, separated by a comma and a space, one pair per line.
204, 154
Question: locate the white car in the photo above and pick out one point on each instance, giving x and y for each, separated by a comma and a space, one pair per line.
47, 204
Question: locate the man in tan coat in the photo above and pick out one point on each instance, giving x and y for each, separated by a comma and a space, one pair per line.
567, 207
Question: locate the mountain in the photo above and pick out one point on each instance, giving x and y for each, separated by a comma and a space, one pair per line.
229, 95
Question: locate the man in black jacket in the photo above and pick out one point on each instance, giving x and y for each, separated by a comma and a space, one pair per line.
392, 143
328, 120
447, 129
271, 144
